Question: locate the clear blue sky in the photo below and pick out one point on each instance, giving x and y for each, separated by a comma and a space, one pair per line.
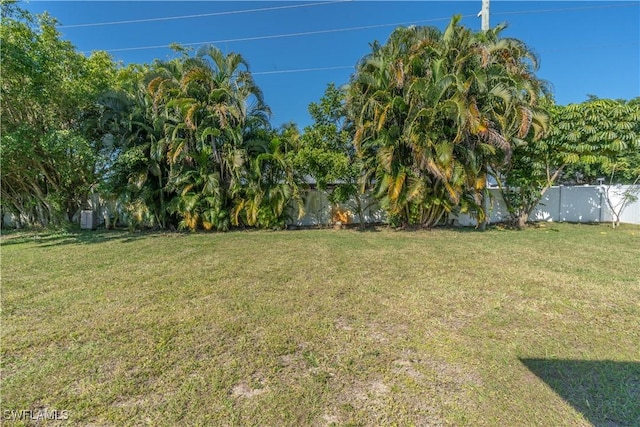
586, 47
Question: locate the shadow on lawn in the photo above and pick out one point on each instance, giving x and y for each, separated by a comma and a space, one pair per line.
607, 393
49, 239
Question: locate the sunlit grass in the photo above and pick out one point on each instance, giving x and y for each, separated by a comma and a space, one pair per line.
322, 327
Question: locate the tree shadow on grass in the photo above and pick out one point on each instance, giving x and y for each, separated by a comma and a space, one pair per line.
84, 237
607, 393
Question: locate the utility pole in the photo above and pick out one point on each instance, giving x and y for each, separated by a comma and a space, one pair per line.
485, 15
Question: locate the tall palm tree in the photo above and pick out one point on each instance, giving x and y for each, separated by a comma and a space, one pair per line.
434, 110
271, 184
214, 109
136, 128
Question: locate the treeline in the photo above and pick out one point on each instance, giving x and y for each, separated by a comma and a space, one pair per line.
422, 124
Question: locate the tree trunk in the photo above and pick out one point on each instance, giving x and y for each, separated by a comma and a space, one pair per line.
361, 225
162, 217
522, 219
482, 226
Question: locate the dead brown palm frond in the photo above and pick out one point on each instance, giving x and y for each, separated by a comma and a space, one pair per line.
477, 124
526, 117
190, 117
196, 74
154, 85
434, 169
382, 118
453, 194
155, 89
222, 113
494, 138
484, 56
357, 137
175, 152
399, 74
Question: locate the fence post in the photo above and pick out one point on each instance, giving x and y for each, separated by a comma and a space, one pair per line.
560, 203
601, 189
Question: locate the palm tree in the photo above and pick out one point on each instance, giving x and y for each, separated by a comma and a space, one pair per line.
434, 111
136, 128
271, 184
213, 109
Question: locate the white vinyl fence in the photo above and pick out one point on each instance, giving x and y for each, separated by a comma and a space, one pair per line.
582, 204
587, 204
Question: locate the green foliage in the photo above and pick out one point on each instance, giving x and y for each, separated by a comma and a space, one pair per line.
433, 111
194, 148
271, 185
139, 170
325, 149
585, 141
187, 143
326, 153
607, 133
50, 155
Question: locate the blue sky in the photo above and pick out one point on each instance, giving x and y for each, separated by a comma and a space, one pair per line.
585, 47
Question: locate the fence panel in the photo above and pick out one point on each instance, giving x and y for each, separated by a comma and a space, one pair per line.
548, 208
581, 204
630, 212
574, 204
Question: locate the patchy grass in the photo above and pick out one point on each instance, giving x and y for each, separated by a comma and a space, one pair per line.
324, 327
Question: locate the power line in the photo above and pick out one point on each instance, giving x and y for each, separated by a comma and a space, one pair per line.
589, 47
201, 15
277, 36
562, 49
566, 9
365, 27
304, 70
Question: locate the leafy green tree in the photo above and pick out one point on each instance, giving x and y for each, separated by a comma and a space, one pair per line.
194, 146
623, 158
214, 109
326, 152
48, 92
591, 139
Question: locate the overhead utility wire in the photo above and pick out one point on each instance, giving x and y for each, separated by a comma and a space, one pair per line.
277, 36
302, 70
588, 47
566, 9
336, 30
201, 15
135, 21
552, 50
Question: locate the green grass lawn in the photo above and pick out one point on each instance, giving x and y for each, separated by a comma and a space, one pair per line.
324, 327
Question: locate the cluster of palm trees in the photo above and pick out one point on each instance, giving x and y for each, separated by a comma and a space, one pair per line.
435, 112
431, 114
193, 146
